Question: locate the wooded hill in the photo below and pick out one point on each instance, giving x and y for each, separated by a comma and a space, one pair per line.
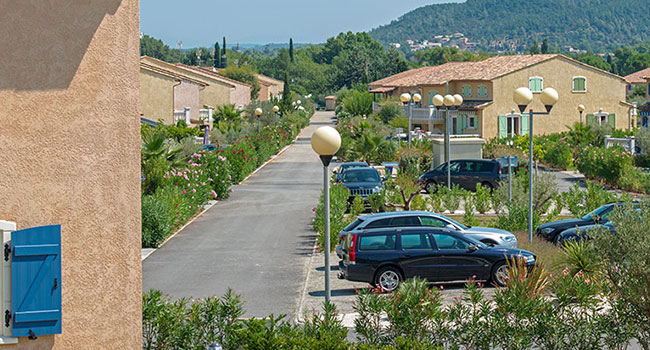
594, 25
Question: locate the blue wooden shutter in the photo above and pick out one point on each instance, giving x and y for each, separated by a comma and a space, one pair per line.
482, 91
467, 90
36, 281
503, 126
524, 123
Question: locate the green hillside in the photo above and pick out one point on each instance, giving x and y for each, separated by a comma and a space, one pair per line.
585, 24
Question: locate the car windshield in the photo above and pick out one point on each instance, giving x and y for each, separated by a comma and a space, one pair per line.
457, 223
370, 175
350, 166
596, 213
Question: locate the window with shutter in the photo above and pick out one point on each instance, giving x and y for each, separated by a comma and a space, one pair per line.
482, 91
611, 121
36, 281
590, 119
524, 124
503, 126
579, 84
536, 84
467, 90
432, 94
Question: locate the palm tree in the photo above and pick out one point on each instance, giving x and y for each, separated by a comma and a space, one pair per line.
227, 113
365, 147
158, 156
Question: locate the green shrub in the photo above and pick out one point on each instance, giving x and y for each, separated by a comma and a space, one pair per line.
357, 207
242, 158
338, 205
482, 199
451, 197
358, 103
435, 201
156, 221
389, 111
418, 203
377, 201
559, 154
606, 164
468, 218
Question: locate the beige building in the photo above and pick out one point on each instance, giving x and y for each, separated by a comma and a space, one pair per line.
240, 94
487, 88
269, 87
217, 91
70, 155
162, 92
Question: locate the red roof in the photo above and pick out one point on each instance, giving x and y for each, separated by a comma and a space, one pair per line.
638, 77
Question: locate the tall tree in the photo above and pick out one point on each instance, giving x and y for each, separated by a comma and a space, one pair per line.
217, 55
285, 102
545, 45
224, 58
534, 49
291, 49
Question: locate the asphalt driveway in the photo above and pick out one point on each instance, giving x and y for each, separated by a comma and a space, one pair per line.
257, 242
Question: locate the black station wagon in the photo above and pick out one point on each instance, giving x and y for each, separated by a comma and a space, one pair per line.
466, 173
385, 257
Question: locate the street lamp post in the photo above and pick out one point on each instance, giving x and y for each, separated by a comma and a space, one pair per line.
448, 101
258, 113
581, 108
523, 97
407, 98
276, 109
326, 142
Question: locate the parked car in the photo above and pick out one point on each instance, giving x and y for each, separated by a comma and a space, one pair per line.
486, 235
362, 181
348, 165
385, 257
551, 230
581, 233
465, 173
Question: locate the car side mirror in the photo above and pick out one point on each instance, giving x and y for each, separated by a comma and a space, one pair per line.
384, 179
472, 247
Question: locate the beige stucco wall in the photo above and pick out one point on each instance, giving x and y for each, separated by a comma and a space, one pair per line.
603, 91
187, 94
70, 155
240, 95
215, 94
157, 96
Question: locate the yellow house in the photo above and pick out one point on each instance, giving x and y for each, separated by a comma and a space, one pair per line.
487, 88
217, 91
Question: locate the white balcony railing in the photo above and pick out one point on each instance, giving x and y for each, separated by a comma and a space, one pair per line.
179, 115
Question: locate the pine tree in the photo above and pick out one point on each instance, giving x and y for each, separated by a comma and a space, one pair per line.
291, 49
217, 55
285, 102
534, 50
224, 62
545, 45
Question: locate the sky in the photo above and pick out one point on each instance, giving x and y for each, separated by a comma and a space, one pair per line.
202, 22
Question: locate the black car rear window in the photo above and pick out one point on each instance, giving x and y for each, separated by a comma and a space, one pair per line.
377, 242
485, 167
412, 241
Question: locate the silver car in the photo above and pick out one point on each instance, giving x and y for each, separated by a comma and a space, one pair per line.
487, 235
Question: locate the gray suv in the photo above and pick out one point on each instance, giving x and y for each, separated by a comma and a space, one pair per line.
487, 235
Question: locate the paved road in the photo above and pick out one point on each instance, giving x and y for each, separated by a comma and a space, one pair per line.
257, 242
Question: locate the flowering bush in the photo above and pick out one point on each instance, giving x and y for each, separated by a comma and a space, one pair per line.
217, 170
242, 158
558, 154
607, 164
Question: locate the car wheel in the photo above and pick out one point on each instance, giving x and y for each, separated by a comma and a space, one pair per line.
488, 186
388, 279
500, 274
431, 187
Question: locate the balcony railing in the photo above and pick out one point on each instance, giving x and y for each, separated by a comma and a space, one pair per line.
418, 113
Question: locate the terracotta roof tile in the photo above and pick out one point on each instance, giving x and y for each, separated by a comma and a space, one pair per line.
638, 77
488, 69
209, 70
169, 73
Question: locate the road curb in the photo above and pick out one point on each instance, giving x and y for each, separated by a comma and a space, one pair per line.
272, 158
299, 318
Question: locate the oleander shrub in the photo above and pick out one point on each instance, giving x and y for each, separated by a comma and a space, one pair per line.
482, 199
242, 158
215, 172
607, 164
559, 154
338, 206
156, 221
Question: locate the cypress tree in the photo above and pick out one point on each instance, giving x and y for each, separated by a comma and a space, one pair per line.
291, 49
217, 55
545, 45
224, 62
285, 102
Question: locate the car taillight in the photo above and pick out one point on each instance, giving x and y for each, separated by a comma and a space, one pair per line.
352, 255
